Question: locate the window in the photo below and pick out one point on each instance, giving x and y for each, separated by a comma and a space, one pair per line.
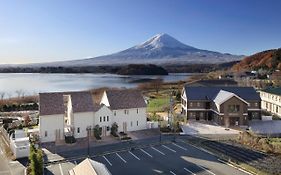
104, 118
256, 104
107, 128
78, 130
131, 123
191, 104
114, 113
198, 104
276, 109
233, 108
126, 111
137, 123
107, 118
137, 111
46, 134
100, 119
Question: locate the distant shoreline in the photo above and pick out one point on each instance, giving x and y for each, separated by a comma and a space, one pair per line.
132, 69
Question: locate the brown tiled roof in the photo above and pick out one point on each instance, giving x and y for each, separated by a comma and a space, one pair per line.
52, 103
125, 99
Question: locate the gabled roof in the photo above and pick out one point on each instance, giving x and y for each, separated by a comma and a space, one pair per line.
276, 91
216, 82
125, 99
209, 93
89, 167
52, 103
223, 96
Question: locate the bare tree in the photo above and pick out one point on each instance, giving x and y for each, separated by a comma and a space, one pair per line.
2, 95
20, 93
156, 84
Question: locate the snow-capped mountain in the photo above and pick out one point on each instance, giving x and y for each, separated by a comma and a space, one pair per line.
161, 49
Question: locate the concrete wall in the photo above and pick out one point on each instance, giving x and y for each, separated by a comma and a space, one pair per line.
20, 149
54, 125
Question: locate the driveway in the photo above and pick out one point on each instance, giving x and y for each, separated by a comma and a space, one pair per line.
197, 128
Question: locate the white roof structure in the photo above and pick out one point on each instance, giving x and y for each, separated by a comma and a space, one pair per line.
223, 96
89, 167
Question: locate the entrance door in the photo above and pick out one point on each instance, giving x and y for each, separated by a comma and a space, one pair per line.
124, 126
234, 121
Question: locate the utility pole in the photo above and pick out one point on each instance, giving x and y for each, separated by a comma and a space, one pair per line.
88, 132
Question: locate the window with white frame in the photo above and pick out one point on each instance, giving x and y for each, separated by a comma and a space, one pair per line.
137, 123
107, 118
100, 119
104, 118
46, 134
114, 113
78, 130
137, 111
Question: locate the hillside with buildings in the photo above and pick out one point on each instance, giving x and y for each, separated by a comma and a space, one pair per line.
269, 60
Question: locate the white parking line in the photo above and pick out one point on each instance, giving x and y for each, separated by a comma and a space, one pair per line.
179, 146
158, 151
134, 155
61, 172
189, 171
173, 173
169, 148
146, 153
107, 160
206, 170
121, 158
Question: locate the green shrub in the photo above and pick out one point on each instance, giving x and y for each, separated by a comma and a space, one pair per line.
97, 132
35, 161
114, 129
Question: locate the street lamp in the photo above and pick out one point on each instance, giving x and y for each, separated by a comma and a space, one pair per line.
88, 132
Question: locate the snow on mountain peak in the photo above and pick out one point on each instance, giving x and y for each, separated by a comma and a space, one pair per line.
162, 40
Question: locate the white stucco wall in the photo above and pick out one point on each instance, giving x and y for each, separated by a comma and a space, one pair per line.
132, 118
51, 124
104, 112
82, 120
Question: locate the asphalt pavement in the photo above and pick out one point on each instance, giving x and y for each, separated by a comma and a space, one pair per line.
175, 158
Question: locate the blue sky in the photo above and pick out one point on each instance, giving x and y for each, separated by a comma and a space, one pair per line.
40, 31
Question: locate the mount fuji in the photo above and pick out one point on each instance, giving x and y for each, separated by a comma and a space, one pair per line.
161, 49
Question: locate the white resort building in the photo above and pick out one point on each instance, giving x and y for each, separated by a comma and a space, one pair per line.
271, 100
73, 113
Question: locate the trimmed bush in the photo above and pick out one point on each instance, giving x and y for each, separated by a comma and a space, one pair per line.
114, 129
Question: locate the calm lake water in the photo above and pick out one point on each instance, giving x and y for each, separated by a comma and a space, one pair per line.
33, 83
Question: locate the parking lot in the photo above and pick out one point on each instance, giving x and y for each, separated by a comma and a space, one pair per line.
170, 158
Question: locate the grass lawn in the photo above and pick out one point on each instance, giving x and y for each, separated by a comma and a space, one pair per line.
157, 104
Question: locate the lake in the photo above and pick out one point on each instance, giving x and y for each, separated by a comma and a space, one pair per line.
33, 83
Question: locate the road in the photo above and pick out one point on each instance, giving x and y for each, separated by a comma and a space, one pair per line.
175, 158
